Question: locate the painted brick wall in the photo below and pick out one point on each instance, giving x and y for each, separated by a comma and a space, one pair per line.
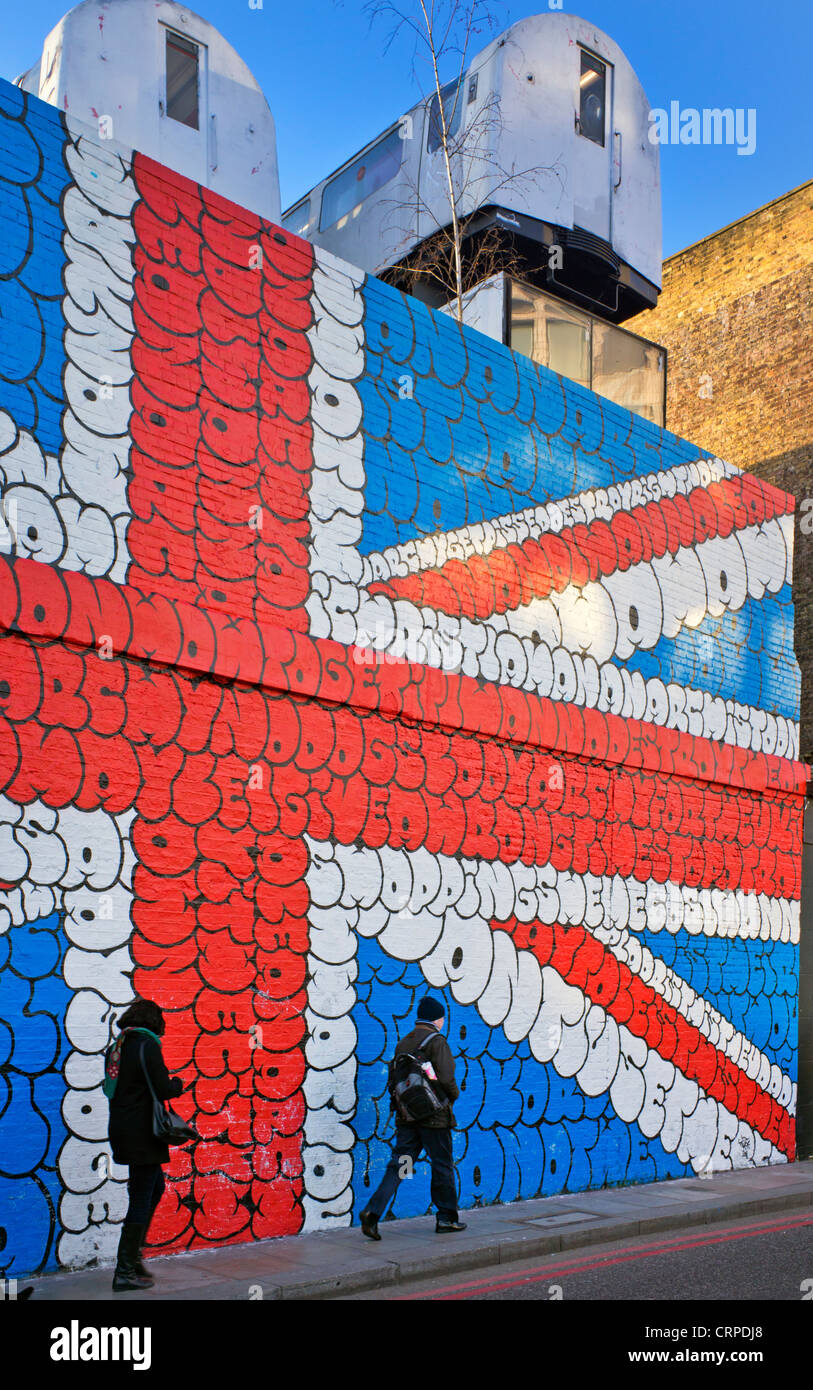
736, 315
345, 655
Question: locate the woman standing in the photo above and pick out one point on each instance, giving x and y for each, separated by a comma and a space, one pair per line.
130, 1130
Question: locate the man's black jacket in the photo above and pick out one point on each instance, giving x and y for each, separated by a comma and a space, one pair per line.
438, 1052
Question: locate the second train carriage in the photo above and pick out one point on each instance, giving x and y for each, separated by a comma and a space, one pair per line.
569, 105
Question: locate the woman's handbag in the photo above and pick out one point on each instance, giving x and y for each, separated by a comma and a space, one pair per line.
167, 1127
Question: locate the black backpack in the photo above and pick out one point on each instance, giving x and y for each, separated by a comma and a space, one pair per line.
412, 1093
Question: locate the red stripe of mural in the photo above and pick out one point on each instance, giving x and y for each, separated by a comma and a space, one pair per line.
222, 439
58, 604
518, 573
583, 961
334, 770
220, 468
460, 794
220, 897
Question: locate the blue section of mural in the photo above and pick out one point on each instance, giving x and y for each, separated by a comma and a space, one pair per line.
33, 179
523, 1130
747, 656
753, 983
33, 1049
482, 435
483, 432
453, 438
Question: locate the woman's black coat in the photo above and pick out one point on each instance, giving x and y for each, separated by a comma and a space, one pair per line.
130, 1127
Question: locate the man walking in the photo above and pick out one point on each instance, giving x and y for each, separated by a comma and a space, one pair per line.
434, 1134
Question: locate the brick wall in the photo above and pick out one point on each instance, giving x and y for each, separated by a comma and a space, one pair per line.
736, 315
344, 656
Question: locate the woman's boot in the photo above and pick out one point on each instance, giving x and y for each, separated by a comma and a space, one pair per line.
140, 1267
127, 1275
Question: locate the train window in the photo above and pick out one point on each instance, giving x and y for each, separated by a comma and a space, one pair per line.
345, 193
183, 59
452, 110
298, 220
592, 87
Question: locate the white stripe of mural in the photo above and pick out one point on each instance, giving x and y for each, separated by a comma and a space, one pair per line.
337, 501
337, 480
484, 649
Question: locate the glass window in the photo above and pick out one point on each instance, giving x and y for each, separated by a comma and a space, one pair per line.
569, 345
611, 361
452, 110
629, 370
345, 193
522, 336
592, 84
182, 80
551, 332
298, 220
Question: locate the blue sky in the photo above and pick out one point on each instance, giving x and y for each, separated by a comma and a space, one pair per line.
331, 87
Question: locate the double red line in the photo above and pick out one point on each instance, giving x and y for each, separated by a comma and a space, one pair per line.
581, 1264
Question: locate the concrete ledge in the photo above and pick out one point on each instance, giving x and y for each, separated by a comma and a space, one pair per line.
475, 1255
331, 1264
376, 1276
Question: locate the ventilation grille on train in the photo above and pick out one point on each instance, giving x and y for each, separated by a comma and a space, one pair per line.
577, 239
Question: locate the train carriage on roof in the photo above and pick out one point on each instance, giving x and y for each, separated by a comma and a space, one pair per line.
552, 94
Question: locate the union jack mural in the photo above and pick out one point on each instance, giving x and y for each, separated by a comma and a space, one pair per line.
345, 652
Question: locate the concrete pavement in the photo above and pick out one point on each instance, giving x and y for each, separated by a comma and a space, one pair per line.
335, 1262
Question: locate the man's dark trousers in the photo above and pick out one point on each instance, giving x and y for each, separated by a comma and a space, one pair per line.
410, 1141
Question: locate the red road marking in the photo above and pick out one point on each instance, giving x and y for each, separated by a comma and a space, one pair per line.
580, 1264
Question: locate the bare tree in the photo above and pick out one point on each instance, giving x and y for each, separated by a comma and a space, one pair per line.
460, 252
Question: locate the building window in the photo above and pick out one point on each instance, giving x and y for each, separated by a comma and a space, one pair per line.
452, 111
344, 194
183, 58
551, 332
608, 360
592, 89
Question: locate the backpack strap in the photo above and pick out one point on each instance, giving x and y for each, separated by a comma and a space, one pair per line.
422, 1044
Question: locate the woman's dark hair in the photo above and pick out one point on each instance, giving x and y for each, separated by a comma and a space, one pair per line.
142, 1013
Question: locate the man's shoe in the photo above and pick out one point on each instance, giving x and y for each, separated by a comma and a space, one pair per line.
369, 1225
442, 1228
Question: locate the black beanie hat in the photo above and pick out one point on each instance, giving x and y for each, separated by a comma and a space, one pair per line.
429, 1010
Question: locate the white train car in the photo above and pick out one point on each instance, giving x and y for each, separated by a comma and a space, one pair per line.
154, 76
570, 105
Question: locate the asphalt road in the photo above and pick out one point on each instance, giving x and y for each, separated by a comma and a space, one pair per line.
763, 1258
